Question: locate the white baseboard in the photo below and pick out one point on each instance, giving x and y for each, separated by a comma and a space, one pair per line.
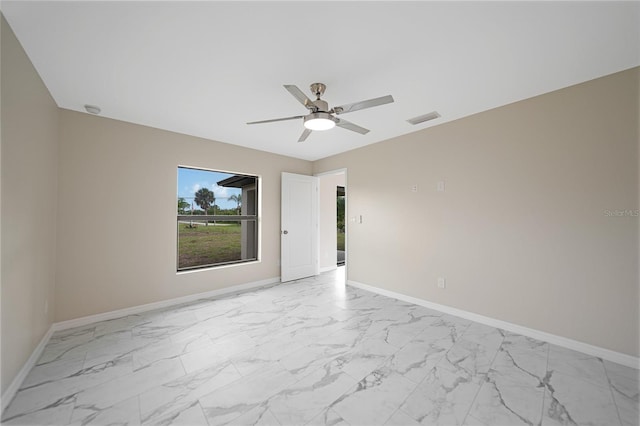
78, 322
609, 355
328, 268
13, 388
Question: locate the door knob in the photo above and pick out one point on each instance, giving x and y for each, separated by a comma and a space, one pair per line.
285, 232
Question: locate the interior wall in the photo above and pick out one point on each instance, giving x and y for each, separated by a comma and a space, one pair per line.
538, 222
117, 224
29, 203
328, 219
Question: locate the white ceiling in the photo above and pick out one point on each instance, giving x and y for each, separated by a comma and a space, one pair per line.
206, 68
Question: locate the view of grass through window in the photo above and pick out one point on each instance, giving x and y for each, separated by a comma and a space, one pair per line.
216, 218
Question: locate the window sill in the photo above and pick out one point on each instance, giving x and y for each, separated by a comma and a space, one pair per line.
218, 267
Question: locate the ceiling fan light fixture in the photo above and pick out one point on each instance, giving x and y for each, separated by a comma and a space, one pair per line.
319, 121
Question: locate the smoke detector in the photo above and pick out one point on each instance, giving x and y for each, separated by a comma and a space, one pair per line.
92, 109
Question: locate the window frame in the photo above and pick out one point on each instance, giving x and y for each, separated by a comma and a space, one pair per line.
255, 219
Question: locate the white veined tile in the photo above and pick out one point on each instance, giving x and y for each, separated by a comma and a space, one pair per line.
529, 358
444, 397
520, 367
191, 415
258, 416
167, 349
323, 310
473, 421
267, 353
44, 395
209, 309
59, 414
310, 358
189, 343
302, 401
125, 412
122, 388
54, 370
567, 399
292, 348
344, 337
176, 395
230, 402
628, 409
583, 367
328, 417
473, 357
626, 389
67, 344
281, 328
110, 346
481, 333
121, 324
504, 399
401, 332
216, 352
444, 331
374, 399
401, 419
365, 357
111, 355
416, 359
625, 379
518, 343
166, 327
310, 330
215, 328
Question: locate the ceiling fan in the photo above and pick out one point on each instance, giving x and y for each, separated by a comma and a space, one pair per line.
320, 116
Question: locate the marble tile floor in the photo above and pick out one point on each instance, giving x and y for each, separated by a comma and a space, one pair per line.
314, 352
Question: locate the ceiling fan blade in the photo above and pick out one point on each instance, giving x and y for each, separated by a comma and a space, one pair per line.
276, 119
341, 122
300, 96
343, 109
304, 135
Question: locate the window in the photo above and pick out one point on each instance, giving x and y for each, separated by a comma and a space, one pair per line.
217, 218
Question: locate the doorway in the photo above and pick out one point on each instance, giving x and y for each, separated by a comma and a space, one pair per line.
340, 225
333, 227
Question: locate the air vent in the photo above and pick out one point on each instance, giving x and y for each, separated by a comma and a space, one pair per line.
422, 118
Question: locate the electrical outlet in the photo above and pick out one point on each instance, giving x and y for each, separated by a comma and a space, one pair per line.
442, 283
414, 188
440, 186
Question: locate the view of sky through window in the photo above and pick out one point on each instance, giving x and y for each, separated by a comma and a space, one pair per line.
191, 180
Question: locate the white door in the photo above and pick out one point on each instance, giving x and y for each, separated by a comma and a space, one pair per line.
299, 227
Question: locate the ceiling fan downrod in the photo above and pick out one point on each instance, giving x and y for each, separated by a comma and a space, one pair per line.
318, 89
